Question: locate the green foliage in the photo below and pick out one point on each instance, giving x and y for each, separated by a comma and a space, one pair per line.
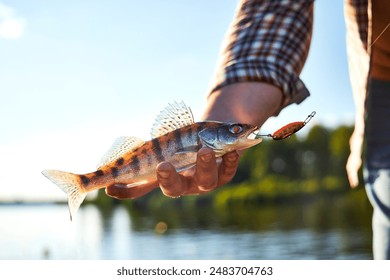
339, 149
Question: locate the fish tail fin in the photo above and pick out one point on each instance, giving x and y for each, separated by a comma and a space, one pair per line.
71, 185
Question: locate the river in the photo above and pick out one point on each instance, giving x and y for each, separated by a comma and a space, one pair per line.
331, 228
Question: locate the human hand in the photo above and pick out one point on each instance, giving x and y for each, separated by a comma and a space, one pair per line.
354, 161
353, 165
206, 176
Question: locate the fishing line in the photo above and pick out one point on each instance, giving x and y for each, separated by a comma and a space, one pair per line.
383, 31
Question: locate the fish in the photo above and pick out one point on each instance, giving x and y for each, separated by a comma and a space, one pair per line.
176, 138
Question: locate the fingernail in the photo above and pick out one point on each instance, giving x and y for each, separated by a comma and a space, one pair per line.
164, 174
206, 157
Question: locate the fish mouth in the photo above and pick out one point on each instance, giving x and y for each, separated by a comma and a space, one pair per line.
250, 138
253, 133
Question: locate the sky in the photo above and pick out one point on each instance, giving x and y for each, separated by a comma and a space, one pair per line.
75, 75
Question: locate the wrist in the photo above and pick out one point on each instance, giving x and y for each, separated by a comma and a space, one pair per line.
247, 102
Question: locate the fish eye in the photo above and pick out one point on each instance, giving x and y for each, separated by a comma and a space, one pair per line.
236, 128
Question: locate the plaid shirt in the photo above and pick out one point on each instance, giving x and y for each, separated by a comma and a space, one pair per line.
268, 41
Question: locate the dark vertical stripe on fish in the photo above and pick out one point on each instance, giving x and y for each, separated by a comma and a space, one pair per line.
135, 163
189, 132
157, 150
178, 139
114, 172
199, 128
99, 173
85, 180
120, 161
148, 156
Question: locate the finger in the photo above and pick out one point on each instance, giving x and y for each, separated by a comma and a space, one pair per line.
206, 173
353, 181
352, 177
353, 166
171, 183
228, 168
122, 191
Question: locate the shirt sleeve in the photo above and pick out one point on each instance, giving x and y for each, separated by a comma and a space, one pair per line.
268, 41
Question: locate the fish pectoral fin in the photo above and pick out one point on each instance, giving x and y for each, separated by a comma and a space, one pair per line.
131, 191
173, 116
185, 158
121, 146
185, 154
137, 184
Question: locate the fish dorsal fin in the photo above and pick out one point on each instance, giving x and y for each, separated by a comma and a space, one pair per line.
174, 116
121, 146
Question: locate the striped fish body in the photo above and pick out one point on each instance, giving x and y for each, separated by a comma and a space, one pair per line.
138, 166
176, 138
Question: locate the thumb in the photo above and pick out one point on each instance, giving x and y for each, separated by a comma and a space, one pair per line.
353, 165
353, 179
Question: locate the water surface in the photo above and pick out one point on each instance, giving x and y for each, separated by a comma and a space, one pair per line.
330, 229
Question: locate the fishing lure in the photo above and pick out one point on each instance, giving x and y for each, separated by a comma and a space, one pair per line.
288, 129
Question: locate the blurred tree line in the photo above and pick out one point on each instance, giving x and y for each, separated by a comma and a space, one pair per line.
275, 172
294, 168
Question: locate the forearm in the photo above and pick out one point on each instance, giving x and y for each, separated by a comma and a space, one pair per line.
247, 102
